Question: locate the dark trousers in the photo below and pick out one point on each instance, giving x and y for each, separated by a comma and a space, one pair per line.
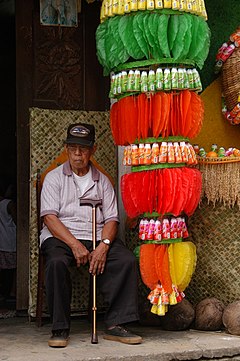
118, 283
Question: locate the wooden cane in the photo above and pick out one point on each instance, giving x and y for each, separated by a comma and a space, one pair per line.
94, 204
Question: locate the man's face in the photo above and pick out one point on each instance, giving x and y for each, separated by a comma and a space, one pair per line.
79, 157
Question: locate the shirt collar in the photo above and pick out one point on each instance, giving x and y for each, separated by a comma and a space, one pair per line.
68, 171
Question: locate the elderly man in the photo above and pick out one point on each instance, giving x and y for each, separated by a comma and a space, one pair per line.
66, 237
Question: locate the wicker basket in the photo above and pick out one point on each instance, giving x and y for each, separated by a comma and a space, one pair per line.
231, 79
217, 160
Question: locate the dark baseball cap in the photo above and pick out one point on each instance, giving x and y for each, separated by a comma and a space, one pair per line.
81, 133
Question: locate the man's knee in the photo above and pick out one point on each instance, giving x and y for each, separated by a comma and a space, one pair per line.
56, 264
56, 253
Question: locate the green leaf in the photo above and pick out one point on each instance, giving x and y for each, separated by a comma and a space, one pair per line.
188, 35
193, 50
178, 46
163, 35
100, 42
150, 38
140, 19
119, 52
153, 27
125, 30
139, 32
111, 48
172, 30
204, 45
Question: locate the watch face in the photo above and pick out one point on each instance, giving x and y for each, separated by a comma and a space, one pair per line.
107, 241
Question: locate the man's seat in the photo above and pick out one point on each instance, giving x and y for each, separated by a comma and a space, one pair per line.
40, 280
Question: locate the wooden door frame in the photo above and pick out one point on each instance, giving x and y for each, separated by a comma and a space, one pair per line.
23, 102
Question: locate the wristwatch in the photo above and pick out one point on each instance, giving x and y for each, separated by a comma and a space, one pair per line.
107, 241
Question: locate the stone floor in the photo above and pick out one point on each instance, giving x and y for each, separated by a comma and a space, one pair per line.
21, 340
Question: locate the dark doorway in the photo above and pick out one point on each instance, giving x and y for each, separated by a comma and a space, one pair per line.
8, 163
8, 158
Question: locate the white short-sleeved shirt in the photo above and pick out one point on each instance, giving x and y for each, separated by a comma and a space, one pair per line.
60, 196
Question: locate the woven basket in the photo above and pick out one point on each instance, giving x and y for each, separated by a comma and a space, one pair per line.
231, 79
217, 160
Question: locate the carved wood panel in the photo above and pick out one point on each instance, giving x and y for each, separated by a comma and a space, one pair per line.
58, 66
66, 73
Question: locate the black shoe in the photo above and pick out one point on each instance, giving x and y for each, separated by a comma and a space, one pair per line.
59, 338
119, 333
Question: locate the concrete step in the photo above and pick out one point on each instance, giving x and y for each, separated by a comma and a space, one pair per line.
21, 340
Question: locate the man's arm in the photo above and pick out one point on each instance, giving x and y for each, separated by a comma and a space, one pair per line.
99, 256
58, 230
109, 230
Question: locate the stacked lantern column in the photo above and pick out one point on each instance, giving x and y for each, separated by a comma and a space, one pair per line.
153, 50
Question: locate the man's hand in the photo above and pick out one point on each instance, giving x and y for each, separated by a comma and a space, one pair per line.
80, 253
98, 258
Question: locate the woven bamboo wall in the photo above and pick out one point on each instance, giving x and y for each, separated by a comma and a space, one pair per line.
215, 230
47, 133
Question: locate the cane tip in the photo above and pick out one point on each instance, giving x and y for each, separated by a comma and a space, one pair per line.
94, 339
